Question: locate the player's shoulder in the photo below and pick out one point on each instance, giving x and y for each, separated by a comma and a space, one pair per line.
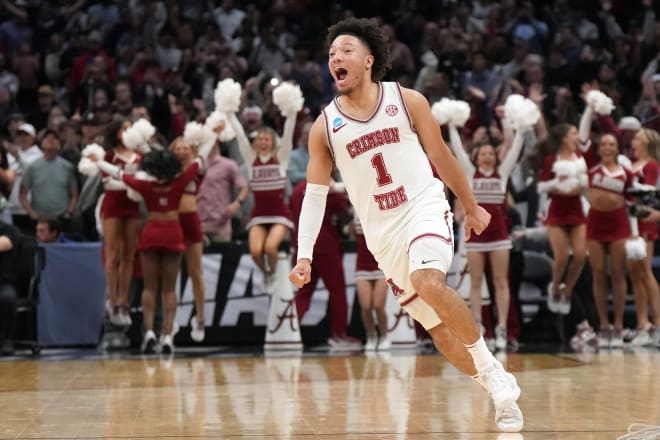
317, 132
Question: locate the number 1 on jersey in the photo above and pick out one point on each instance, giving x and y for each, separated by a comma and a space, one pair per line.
382, 176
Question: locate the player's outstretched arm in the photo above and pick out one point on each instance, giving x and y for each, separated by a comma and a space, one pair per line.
319, 171
430, 136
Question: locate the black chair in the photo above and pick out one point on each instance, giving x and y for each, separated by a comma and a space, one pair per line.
29, 263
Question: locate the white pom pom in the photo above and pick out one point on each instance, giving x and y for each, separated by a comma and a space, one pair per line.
93, 150
635, 248
196, 134
144, 127
564, 168
214, 120
288, 98
624, 161
87, 167
228, 96
132, 138
568, 185
521, 112
193, 134
451, 111
601, 103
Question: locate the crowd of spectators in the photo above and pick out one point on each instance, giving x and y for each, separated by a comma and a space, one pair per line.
68, 68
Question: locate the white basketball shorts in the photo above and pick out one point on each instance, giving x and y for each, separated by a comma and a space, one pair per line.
425, 242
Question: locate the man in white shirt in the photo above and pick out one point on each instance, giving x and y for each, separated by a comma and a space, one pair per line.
24, 153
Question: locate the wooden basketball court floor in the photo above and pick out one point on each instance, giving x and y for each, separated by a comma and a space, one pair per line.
401, 395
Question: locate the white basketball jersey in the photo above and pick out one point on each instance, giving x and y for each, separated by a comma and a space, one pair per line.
382, 164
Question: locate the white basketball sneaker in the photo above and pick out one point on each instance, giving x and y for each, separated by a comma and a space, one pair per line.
372, 342
509, 419
502, 385
197, 330
384, 344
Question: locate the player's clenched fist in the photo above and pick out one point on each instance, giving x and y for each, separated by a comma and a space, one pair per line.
301, 273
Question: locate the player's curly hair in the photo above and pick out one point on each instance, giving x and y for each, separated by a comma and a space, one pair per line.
161, 164
367, 31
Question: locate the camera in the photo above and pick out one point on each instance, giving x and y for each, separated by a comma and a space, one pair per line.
646, 197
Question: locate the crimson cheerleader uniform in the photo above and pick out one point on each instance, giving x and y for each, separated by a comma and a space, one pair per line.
563, 210
647, 174
116, 203
191, 224
268, 181
608, 226
490, 191
366, 266
162, 235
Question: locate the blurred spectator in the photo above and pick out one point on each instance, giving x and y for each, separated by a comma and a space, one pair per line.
229, 18
221, 194
50, 181
23, 153
268, 56
167, 53
15, 30
27, 68
123, 103
49, 230
527, 28
6, 105
9, 237
93, 62
39, 117
300, 156
8, 79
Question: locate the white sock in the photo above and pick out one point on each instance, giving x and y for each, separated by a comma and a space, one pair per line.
481, 356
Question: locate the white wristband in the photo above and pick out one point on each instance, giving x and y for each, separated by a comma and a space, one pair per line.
311, 218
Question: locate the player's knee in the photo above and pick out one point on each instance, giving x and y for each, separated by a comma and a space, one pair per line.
428, 281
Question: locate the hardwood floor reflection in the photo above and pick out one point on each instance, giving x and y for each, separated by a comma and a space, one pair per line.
397, 396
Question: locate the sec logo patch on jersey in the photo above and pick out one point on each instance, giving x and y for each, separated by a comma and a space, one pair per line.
391, 110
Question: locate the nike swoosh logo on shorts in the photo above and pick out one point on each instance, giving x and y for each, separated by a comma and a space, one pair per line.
428, 261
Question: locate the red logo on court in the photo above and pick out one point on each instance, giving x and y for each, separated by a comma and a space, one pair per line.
391, 110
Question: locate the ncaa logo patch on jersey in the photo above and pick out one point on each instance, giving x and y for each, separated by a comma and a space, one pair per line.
338, 124
391, 110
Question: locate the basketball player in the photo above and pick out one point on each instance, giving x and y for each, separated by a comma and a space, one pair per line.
373, 132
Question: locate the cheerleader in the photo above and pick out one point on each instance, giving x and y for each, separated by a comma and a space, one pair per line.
161, 241
120, 219
372, 294
186, 149
645, 150
608, 229
563, 179
489, 180
267, 160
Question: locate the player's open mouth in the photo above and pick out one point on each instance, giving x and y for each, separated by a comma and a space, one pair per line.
340, 74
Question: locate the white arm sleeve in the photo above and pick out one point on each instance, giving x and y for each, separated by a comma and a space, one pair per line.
110, 169
311, 218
